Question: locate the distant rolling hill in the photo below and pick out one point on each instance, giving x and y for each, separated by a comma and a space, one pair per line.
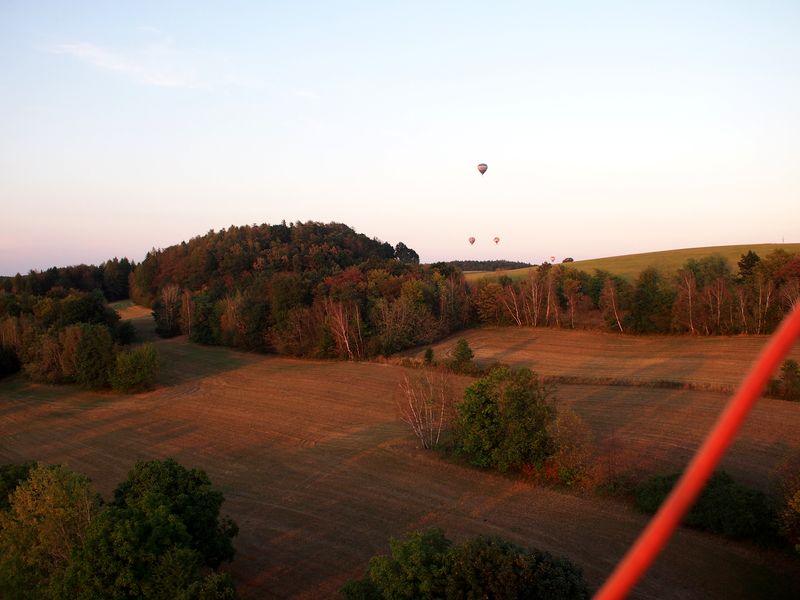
667, 261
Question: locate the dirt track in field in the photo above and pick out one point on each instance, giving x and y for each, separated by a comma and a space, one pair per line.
318, 471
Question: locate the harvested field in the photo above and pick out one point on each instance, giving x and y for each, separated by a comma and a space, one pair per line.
318, 471
714, 363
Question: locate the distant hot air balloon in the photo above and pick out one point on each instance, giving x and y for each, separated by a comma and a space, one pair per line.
471, 241
482, 168
552, 259
497, 240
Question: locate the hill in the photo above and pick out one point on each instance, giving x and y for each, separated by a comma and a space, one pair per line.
629, 266
305, 289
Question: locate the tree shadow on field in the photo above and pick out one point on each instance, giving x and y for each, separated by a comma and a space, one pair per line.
182, 361
510, 351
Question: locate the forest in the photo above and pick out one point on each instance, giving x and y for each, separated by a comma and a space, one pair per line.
324, 290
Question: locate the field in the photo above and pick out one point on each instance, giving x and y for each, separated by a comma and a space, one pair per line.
319, 472
668, 261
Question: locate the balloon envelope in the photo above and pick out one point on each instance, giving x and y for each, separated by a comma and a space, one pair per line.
552, 259
471, 240
497, 240
482, 168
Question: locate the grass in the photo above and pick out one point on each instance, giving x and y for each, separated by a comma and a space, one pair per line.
121, 304
667, 261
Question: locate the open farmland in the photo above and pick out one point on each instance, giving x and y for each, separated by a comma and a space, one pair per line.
714, 363
667, 261
318, 471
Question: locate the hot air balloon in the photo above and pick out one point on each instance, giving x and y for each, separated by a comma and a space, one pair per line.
482, 168
471, 241
552, 259
497, 240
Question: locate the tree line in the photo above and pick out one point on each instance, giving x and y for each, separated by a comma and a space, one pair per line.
324, 290
705, 297
72, 337
111, 277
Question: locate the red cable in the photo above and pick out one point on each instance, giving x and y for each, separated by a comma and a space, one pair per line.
655, 536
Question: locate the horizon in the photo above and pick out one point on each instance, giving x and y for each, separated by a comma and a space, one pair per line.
558, 259
607, 131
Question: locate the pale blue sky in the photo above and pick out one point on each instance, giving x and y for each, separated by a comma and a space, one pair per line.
609, 127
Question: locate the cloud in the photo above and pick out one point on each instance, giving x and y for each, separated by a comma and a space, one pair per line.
160, 63
155, 64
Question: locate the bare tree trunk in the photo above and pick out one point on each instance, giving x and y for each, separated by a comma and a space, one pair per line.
611, 302
508, 298
740, 296
170, 295
427, 406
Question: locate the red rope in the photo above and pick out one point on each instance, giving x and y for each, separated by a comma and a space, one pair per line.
655, 536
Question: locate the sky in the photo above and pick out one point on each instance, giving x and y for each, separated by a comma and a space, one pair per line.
608, 127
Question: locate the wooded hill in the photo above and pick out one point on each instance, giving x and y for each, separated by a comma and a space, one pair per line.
309, 289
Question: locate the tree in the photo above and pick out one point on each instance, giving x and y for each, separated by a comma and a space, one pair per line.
462, 357
684, 310
491, 567
650, 304
573, 294
417, 567
405, 254
135, 371
166, 311
426, 404
428, 356
746, 264
503, 421
611, 302
790, 379
94, 357
11, 476
723, 507
425, 564
462, 353
155, 540
50, 513
132, 553
187, 495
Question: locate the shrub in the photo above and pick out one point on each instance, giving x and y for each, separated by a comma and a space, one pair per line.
135, 371
462, 358
503, 421
429, 356
572, 439
723, 507
425, 564
790, 379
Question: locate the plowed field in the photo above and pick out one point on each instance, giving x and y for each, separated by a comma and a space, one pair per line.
703, 362
318, 471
